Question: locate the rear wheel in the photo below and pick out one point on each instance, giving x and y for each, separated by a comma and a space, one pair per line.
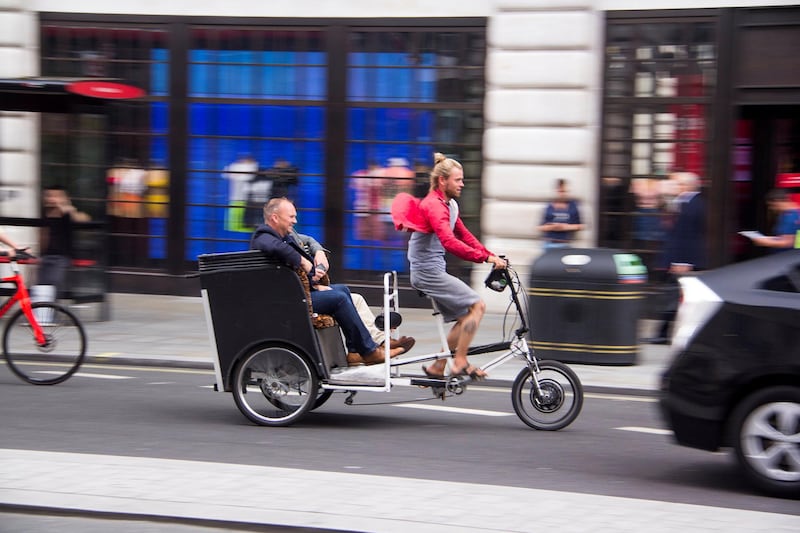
767, 439
558, 401
275, 386
52, 362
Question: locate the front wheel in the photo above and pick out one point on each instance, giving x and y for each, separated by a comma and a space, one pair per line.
556, 403
57, 358
766, 438
275, 386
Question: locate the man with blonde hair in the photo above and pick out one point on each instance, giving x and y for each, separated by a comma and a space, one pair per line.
438, 229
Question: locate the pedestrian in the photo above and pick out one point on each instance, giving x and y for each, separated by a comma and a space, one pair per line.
561, 220
274, 239
58, 219
437, 228
787, 225
684, 245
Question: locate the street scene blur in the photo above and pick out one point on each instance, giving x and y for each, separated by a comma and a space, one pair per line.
373, 267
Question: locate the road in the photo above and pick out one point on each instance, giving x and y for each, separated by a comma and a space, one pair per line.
617, 447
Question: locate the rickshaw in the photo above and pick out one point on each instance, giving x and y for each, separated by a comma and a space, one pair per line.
282, 360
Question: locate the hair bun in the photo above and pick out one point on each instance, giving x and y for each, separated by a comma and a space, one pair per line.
438, 157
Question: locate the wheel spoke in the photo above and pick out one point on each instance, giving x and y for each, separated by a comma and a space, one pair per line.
274, 386
58, 358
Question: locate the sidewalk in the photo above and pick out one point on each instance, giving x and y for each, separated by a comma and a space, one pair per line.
172, 330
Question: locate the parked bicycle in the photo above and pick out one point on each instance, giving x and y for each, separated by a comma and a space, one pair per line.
43, 342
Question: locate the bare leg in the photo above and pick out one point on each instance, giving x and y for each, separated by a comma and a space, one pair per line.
460, 337
469, 327
437, 367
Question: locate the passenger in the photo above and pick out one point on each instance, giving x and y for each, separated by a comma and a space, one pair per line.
321, 267
274, 238
439, 229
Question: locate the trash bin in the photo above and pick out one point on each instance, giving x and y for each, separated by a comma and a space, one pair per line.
585, 304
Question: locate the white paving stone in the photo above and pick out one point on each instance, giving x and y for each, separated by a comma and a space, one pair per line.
242, 493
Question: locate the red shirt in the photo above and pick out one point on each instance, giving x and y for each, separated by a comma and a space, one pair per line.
432, 215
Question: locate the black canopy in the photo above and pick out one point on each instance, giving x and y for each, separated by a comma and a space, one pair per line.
60, 95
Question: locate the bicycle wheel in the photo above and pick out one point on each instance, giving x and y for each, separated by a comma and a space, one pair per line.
557, 405
275, 386
52, 362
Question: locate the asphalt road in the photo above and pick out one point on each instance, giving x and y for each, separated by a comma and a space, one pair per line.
617, 446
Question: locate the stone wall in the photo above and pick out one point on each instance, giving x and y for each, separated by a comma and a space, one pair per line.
19, 138
542, 115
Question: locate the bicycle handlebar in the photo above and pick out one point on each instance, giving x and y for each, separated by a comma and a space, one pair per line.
21, 254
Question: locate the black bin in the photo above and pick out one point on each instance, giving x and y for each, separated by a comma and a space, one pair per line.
585, 304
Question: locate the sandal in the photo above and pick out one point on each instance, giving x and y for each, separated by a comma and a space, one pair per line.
430, 374
470, 370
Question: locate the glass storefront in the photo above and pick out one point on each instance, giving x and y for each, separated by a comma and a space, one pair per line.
337, 118
660, 78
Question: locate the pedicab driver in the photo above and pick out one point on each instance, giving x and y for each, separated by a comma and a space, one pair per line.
437, 228
274, 238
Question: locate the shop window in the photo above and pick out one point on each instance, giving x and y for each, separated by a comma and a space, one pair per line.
659, 78
115, 170
410, 94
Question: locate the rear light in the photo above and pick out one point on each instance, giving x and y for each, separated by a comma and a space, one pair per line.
697, 304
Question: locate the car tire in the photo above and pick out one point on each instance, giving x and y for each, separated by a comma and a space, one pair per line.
766, 438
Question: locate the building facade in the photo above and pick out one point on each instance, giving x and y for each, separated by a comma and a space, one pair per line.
341, 106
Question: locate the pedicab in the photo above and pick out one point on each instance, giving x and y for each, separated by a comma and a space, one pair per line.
281, 360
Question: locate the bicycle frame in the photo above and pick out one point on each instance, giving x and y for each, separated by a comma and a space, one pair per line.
22, 296
517, 347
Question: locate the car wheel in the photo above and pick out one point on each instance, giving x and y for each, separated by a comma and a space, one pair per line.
767, 439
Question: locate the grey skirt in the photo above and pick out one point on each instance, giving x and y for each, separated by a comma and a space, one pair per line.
453, 297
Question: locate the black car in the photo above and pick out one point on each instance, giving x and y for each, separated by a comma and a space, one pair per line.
735, 377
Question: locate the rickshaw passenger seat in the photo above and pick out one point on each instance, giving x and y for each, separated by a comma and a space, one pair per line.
319, 321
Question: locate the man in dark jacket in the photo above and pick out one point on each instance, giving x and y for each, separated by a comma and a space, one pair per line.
274, 238
685, 243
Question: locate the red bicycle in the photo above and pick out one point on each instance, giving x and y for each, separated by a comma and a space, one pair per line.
43, 342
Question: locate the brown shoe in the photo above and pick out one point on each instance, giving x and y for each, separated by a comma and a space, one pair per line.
403, 342
377, 357
353, 359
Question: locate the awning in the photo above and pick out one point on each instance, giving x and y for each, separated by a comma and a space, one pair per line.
59, 95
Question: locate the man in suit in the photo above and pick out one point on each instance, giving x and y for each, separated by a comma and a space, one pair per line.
685, 243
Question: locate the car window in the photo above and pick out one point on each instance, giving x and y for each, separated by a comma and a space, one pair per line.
788, 281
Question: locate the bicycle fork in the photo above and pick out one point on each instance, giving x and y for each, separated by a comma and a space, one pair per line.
533, 367
27, 308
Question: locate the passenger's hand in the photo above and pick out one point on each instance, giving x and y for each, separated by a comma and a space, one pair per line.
306, 265
319, 271
321, 259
